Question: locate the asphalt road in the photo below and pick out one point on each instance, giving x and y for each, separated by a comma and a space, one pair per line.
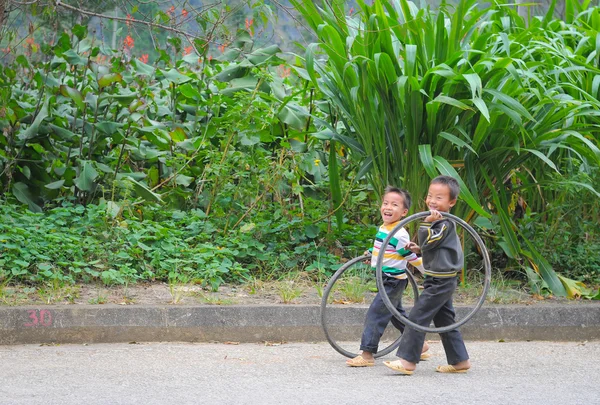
292, 373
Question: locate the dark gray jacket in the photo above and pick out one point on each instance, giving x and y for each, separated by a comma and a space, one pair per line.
440, 247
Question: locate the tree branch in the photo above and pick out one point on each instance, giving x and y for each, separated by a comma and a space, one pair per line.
189, 36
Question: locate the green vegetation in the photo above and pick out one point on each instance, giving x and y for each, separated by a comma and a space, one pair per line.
194, 169
507, 106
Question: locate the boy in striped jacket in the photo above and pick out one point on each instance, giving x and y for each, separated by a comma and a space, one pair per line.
394, 206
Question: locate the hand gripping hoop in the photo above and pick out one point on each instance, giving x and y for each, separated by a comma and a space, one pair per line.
486, 283
324, 313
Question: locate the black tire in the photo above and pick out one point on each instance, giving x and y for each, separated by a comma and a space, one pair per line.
486, 283
324, 300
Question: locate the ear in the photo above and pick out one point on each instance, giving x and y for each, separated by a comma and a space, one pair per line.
452, 203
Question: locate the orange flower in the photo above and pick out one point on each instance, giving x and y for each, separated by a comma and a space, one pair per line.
171, 10
128, 20
283, 72
221, 48
188, 50
249, 23
184, 13
128, 42
144, 58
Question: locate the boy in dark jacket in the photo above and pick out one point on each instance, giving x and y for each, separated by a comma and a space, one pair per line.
442, 259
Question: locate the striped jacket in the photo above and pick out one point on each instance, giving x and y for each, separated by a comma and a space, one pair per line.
395, 255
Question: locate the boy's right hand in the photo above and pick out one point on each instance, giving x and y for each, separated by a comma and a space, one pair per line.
413, 247
434, 215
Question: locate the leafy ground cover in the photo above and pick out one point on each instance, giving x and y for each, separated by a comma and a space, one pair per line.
76, 254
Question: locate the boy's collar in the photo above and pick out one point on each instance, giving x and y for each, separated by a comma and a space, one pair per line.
393, 224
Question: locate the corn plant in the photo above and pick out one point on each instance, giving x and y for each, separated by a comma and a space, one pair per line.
476, 93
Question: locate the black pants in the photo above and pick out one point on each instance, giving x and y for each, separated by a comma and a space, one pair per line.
378, 316
435, 303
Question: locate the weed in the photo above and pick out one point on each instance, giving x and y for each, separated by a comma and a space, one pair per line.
178, 286
4, 280
289, 290
319, 287
101, 298
55, 291
254, 286
354, 289
214, 300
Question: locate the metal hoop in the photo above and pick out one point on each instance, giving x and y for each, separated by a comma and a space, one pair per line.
486, 285
326, 293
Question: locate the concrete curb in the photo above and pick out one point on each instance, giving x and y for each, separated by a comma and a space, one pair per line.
110, 324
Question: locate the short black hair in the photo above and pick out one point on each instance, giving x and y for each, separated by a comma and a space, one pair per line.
450, 182
405, 195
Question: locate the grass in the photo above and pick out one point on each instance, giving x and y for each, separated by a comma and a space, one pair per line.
213, 300
101, 298
353, 289
178, 287
296, 288
289, 290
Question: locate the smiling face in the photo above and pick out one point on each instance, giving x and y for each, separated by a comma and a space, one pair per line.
438, 198
392, 208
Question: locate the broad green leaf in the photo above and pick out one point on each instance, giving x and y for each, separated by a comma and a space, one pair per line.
55, 185
178, 135
427, 160
545, 270
457, 141
173, 75
182, 180
451, 101
261, 55
294, 115
190, 91
311, 231
74, 95
482, 107
32, 130
232, 72
87, 176
543, 158
144, 191
22, 193
108, 127
574, 288
109, 79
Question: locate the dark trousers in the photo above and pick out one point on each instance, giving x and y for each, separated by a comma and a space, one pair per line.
434, 303
378, 316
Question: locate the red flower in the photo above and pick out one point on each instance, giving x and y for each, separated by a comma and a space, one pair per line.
128, 20
283, 72
221, 48
184, 13
249, 23
128, 42
188, 50
144, 58
351, 11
